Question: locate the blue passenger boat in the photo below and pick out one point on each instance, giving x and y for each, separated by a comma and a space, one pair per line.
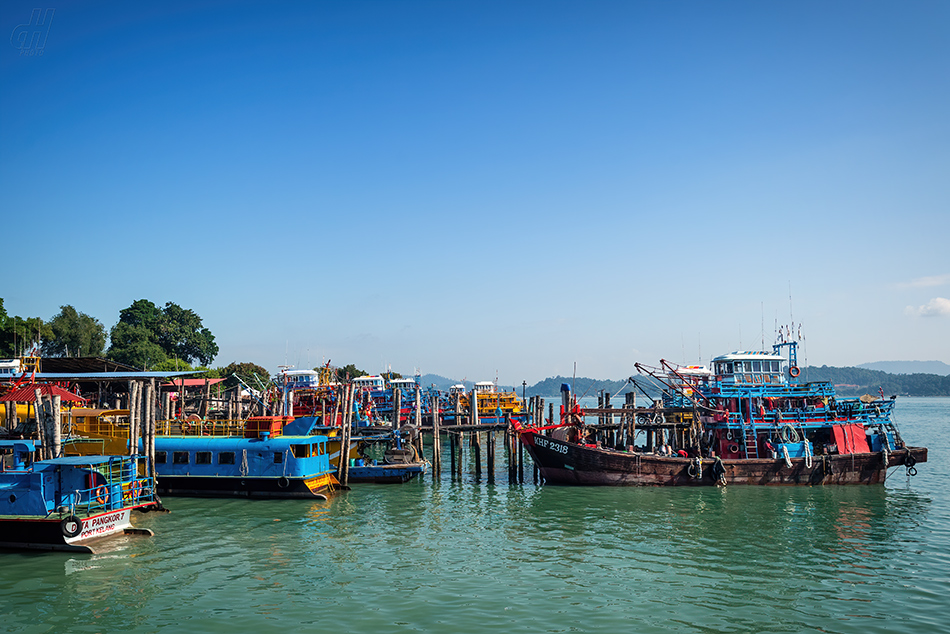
263, 463
748, 420
68, 503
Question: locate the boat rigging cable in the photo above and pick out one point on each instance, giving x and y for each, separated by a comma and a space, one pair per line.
654, 373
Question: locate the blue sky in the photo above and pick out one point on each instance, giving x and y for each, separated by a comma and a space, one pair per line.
482, 189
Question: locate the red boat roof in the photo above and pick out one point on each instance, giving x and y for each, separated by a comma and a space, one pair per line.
27, 393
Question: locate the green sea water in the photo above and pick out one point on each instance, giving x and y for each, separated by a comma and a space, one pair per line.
468, 556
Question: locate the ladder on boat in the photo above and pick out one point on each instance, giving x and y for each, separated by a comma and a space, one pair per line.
749, 440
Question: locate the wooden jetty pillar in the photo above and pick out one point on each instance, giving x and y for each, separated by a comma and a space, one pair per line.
475, 447
436, 438
397, 408
458, 463
135, 414
417, 408
56, 423
149, 444
510, 439
490, 455
38, 409
452, 443
417, 421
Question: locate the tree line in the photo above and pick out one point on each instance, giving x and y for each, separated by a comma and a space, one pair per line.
145, 337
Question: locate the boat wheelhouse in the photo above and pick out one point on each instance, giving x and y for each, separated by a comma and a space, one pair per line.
300, 379
372, 382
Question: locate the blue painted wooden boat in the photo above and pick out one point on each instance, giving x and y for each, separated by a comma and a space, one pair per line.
68, 503
263, 463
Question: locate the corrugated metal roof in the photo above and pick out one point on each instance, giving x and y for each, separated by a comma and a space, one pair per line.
77, 365
106, 376
27, 393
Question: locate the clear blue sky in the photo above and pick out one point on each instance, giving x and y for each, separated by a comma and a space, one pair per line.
472, 188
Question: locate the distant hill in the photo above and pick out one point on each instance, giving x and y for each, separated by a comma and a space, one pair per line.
909, 367
583, 386
858, 381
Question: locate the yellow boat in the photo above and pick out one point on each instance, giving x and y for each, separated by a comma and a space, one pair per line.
491, 402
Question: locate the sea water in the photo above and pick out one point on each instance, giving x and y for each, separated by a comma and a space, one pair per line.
468, 556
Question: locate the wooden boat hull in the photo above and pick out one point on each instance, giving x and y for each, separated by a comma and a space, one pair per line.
48, 533
561, 462
318, 487
385, 474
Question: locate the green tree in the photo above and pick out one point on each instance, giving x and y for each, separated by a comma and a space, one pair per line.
135, 346
253, 375
183, 336
74, 333
19, 335
347, 371
172, 365
146, 336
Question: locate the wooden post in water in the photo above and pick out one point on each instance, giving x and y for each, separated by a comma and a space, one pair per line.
39, 408
476, 448
343, 462
452, 442
348, 426
490, 455
153, 424
417, 421
510, 440
135, 414
436, 438
474, 407
397, 408
57, 420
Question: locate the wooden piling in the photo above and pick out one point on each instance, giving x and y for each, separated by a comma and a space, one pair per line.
490, 455
476, 449
510, 437
436, 438
452, 450
57, 413
397, 408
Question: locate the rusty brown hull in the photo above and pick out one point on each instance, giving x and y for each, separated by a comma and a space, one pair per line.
562, 462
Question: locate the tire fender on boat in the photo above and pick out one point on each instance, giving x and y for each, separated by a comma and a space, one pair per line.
283, 482
71, 526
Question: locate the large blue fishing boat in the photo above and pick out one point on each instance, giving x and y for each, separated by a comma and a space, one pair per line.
748, 420
67, 503
265, 462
